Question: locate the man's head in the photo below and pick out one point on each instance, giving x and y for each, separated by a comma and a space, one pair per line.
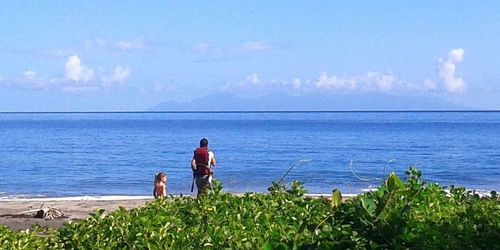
203, 143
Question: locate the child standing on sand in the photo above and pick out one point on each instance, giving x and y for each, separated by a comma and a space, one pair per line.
160, 188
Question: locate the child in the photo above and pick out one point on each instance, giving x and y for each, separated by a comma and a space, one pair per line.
160, 188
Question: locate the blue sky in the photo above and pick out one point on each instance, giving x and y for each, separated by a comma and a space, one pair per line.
132, 55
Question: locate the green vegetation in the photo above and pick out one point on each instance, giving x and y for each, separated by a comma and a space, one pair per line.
409, 214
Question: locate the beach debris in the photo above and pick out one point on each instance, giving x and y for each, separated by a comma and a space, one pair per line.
48, 213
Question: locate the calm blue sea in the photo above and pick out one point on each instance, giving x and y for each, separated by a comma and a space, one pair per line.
76, 154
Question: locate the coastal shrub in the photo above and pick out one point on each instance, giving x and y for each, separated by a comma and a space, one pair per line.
425, 216
26, 239
399, 214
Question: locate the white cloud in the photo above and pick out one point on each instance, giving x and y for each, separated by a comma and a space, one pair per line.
101, 44
383, 82
120, 75
368, 82
97, 41
252, 83
244, 47
29, 74
296, 83
448, 72
31, 79
94, 46
75, 71
253, 79
333, 82
255, 46
77, 78
371, 81
209, 52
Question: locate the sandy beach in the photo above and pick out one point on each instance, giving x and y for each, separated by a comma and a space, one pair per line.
73, 209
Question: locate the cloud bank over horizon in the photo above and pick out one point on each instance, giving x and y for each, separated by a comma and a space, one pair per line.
77, 78
370, 82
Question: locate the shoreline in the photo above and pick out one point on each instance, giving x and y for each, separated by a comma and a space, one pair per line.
77, 208
13, 198
133, 197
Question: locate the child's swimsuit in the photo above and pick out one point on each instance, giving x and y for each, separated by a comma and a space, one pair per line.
160, 190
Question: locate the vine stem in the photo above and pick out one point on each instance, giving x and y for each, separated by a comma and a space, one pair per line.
297, 163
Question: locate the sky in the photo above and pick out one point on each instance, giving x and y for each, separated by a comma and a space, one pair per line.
133, 55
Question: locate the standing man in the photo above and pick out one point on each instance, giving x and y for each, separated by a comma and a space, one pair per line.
202, 164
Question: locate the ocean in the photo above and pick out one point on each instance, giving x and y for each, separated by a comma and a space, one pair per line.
101, 154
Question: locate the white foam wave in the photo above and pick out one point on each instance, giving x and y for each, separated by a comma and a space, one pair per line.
76, 198
118, 197
23, 198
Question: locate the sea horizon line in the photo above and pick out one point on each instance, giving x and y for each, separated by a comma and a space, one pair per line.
250, 111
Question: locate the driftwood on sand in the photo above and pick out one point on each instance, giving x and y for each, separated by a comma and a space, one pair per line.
48, 213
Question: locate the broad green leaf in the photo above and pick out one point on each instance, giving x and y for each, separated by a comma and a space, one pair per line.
368, 205
267, 246
393, 182
336, 198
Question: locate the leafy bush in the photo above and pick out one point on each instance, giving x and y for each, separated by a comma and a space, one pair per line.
398, 214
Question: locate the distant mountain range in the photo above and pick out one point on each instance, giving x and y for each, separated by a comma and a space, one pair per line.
311, 102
